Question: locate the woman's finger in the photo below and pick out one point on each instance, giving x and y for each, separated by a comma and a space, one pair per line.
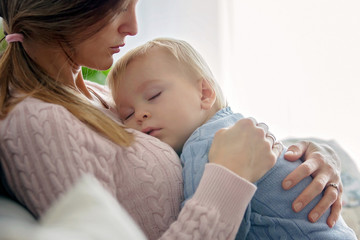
278, 147
271, 138
243, 149
309, 193
268, 135
335, 212
296, 151
329, 198
304, 170
263, 126
253, 120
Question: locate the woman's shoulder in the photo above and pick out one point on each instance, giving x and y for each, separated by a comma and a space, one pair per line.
34, 105
30, 107
32, 110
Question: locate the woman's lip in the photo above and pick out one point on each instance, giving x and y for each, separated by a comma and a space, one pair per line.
118, 46
116, 49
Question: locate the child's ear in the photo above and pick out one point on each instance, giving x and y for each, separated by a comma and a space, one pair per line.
208, 95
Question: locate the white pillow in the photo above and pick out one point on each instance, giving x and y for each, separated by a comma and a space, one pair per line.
86, 212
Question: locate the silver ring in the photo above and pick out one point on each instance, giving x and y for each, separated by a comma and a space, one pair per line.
334, 185
264, 126
273, 138
254, 120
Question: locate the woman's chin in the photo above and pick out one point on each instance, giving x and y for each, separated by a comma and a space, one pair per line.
101, 67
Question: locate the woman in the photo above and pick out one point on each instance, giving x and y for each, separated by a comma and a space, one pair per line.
55, 127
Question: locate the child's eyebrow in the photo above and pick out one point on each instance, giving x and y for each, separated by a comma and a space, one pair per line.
146, 84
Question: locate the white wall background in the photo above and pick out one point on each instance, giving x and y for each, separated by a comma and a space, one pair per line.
292, 64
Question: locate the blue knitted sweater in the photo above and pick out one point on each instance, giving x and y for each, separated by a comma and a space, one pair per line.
269, 214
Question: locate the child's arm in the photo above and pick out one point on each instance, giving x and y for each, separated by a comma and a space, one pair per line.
193, 159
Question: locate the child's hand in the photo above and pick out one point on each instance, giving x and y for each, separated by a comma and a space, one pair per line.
246, 148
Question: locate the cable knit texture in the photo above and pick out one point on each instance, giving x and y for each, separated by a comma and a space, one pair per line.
44, 149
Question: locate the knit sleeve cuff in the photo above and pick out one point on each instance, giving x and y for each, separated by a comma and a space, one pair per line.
222, 189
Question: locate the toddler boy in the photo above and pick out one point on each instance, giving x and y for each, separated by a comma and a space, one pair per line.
164, 88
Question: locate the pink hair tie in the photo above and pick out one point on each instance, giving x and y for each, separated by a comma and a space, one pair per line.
14, 37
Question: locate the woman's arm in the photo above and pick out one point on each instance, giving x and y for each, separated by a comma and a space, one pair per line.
238, 155
44, 150
322, 163
216, 209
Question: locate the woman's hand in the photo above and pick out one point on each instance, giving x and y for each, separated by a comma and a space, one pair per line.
322, 163
246, 148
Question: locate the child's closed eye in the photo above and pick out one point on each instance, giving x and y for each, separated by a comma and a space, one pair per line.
154, 96
126, 113
128, 116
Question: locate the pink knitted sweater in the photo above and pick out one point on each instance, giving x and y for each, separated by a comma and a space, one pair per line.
44, 149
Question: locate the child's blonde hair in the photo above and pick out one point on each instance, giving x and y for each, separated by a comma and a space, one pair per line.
181, 50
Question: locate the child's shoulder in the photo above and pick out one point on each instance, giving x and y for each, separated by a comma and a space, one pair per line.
222, 119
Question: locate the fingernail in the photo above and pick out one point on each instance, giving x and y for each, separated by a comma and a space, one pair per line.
289, 152
332, 224
314, 217
287, 184
298, 206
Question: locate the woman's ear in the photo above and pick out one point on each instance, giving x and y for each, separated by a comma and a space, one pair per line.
208, 95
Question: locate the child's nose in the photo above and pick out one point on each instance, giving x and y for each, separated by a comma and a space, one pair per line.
141, 116
146, 115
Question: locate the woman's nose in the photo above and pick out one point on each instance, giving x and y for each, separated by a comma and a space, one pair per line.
133, 26
129, 27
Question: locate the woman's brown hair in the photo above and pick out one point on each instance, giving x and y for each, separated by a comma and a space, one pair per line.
62, 23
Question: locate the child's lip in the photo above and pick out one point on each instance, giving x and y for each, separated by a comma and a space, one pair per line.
151, 131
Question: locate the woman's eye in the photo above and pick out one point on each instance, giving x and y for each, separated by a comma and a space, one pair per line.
125, 7
155, 96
